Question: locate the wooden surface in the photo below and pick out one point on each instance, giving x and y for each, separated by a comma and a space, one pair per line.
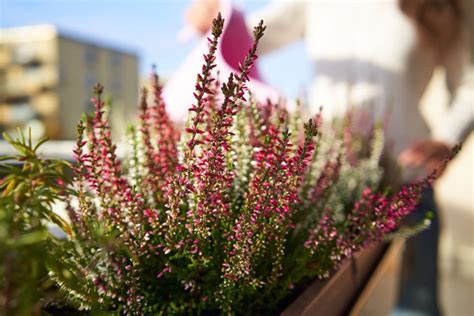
381, 291
337, 295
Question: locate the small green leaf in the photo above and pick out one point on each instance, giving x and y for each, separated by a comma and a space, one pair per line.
41, 142
58, 220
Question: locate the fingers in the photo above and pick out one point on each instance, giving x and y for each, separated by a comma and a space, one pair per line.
413, 156
431, 165
427, 154
201, 13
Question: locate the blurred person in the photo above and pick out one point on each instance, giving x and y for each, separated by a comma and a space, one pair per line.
374, 54
381, 55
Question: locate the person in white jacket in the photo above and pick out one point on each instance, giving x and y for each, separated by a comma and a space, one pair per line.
381, 55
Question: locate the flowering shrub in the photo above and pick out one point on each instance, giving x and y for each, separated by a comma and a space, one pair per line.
226, 218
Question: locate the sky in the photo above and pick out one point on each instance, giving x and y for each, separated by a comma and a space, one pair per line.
149, 28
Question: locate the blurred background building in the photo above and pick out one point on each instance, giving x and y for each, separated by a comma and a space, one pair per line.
46, 80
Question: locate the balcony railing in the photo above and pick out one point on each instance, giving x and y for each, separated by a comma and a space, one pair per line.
20, 81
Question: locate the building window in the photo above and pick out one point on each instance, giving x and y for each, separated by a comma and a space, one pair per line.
24, 53
21, 112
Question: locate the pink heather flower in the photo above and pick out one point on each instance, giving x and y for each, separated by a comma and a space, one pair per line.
203, 87
166, 134
327, 178
152, 180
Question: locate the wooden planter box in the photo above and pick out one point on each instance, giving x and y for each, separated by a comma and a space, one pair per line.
364, 285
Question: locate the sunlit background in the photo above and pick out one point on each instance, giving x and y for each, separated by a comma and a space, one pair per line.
149, 28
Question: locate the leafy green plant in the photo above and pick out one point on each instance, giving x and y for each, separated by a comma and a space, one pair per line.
29, 187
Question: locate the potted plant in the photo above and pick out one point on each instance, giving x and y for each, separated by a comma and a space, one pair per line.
245, 207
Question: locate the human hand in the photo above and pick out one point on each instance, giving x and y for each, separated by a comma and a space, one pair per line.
201, 13
427, 154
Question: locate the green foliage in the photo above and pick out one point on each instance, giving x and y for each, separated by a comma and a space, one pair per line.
29, 186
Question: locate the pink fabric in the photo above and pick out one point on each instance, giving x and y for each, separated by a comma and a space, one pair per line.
233, 46
235, 43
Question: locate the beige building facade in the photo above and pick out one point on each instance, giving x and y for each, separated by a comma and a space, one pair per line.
46, 80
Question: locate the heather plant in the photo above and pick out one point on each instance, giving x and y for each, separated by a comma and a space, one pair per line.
227, 216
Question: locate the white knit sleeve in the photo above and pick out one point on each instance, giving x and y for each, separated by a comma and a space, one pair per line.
285, 21
458, 121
